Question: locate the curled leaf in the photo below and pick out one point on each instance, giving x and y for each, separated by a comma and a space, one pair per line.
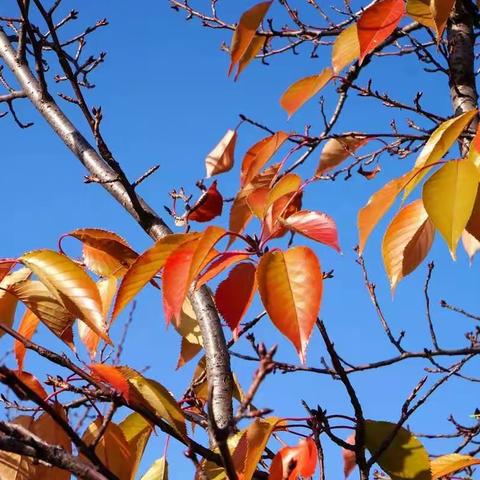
221, 158
208, 206
336, 150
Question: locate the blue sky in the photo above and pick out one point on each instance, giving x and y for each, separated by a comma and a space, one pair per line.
167, 99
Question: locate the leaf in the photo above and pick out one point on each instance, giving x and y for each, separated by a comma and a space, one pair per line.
279, 211
147, 265
255, 46
27, 328
107, 288
405, 457
448, 464
473, 225
315, 225
69, 284
336, 150
437, 146
291, 462
5, 266
474, 150
349, 457
32, 383
8, 302
112, 449
104, 253
37, 298
117, 377
208, 206
235, 294
470, 244
187, 326
290, 286
50, 431
407, 241
346, 48
245, 32
377, 206
159, 399
240, 213
183, 266
221, 158
259, 154
376, 24
440, 10
137, 431
449, 197
420, 11
158, 471
303, 90
219, 264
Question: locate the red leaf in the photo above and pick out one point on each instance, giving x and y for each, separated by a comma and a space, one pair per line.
314, 225
5, 267
349, 457
219, 264
291, 462
116, 377
208, 206
377, 23
235, 294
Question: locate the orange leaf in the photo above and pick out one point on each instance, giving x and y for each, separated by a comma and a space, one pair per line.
32, 383
117, 378
407, 241
346, 48
245, 32
104, 253
377, 23
447, 464
147, 265
291, 462
221, 158
255, 46
290, 286
5, 267
440, 12
235, 294
183, 266
28, 326
314, 225
336, 150
208, 206
69, 284
279, 211
303, 90
420, 11
259, 154
219, 264
349, 457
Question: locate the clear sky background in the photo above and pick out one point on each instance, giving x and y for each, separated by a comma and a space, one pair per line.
167, 99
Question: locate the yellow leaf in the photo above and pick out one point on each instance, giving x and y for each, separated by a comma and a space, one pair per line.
448, 464
346, 48
336, 150
245, 32
440, 12
303, 90
69, 284
405, 458
449, 197
158, 471
221, 158
189, 329
407, 241
437, 146
420, 11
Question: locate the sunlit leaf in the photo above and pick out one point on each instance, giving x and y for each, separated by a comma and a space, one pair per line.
137, 431
349, 457
221, 158
112, 449
235, 294
336, 150
158, 471
291, 462
449, 196
281, 209
448, 464
187, 326
437, 146
183, 266
473, 225
407, 241
474, 150
147, 265
346, 48
420, 11
470, 244
253, 49
219, 264
32, 383
405, 458
70, 285
27, 328
245, 32
315, 225
376, 24
303, 90
290, 285
208, 206
259, 154
104, 253
440, 12
5, 267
